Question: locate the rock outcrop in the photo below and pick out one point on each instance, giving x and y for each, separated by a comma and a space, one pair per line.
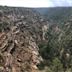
20, 34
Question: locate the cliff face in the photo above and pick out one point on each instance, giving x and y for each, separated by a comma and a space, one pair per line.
20, 33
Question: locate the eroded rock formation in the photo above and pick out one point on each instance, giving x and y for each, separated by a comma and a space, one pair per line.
20, 33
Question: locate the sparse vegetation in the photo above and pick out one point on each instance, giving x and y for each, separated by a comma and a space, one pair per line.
26, 46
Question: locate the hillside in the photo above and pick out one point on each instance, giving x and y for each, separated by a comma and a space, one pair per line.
56, 14
29, 42
20, 34
57, 52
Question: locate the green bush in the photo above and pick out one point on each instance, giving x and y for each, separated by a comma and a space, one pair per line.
56, 66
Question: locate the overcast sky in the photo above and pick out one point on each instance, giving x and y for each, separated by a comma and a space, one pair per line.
36, 3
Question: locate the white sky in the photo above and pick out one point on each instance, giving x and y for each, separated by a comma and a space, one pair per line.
36, 3
26, 3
